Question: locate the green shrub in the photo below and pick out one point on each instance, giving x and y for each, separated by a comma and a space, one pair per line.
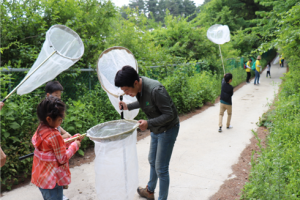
190, 92
276, 172
18, 123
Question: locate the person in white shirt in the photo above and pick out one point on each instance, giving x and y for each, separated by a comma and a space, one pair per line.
268, 69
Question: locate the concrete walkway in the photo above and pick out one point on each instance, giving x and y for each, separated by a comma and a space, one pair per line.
202, 157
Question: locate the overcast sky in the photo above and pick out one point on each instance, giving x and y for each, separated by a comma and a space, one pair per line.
125, 2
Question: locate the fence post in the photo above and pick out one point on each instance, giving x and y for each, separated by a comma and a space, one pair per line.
9, 85
90, 78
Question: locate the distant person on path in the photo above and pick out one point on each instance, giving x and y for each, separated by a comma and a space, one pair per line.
163, 122
248, 70
268, 69
2, 154
282, 60
257, 70
225, 101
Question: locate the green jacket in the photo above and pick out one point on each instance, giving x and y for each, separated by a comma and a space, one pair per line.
155, 101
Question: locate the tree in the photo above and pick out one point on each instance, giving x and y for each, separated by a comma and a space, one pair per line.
152, 8
162, 8
138, 4
189, 9
26, 24
123, 11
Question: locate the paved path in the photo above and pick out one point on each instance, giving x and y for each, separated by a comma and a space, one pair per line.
202, 156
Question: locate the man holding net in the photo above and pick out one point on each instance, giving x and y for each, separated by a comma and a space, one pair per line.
163, 123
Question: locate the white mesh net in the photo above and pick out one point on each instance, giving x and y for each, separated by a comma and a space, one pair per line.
116, 164
109, 63
116, 169
218, 34
112, 130
69, 49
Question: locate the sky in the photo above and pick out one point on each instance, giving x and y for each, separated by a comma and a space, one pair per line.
126, 2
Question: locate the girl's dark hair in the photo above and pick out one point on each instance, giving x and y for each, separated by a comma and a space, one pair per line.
53, 86
52, 107
126, 77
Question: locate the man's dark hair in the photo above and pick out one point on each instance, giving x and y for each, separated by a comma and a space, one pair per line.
228, 76
250, 59
53, 86
126, 77
52, 107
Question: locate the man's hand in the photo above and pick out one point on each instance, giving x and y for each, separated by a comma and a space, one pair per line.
122, 103
143, 124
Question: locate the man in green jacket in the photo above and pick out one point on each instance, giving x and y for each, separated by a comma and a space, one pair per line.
163, 122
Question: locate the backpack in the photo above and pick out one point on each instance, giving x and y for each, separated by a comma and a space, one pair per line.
245, 67
253, 66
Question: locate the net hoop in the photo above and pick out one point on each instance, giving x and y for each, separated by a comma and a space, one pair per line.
118, 136
98, 72
62, 27
218, 34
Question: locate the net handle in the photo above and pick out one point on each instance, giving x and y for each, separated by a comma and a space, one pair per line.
67, 141
222, 59
98, 72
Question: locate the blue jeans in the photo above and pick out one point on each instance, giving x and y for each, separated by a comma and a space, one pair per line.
53, 194
161, 147
257, 75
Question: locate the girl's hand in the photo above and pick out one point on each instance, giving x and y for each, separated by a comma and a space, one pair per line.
80, 138
78, 143
66, 135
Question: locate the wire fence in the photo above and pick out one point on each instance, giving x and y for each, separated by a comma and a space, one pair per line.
77, 82
80, 81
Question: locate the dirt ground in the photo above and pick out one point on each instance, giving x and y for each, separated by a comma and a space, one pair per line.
231, 188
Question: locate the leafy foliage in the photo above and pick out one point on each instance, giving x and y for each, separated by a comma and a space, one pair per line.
275, 174
156, 9
23, 27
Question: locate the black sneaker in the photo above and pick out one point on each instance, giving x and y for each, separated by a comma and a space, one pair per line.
220, 129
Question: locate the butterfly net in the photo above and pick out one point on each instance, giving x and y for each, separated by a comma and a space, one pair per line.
67, 47
116, 164
218, 34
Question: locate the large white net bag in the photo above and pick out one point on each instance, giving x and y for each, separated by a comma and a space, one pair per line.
63, 48
110, 62
116, 163
116, 169
116, 159
218, 34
